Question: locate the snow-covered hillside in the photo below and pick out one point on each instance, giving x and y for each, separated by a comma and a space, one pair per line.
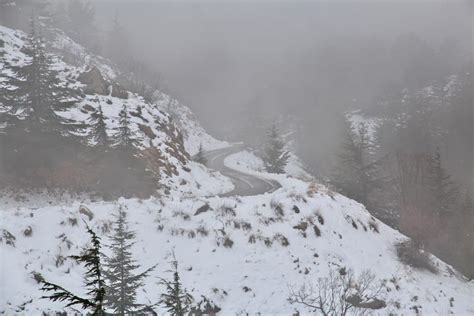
150, 126
243, 253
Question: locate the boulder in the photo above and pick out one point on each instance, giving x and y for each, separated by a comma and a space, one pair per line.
119, 92
95, 82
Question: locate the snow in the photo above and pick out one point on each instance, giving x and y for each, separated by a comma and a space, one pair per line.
208, 268
257, 259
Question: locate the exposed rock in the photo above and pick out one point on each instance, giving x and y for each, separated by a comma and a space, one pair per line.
147, 131
28, 231
95, 82
88, 108
119, 92
296, 209
372, 304
202, 209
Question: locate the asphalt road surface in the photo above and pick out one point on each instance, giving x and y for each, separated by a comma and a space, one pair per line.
244, 184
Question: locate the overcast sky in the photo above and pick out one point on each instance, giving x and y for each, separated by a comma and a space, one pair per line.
310, 60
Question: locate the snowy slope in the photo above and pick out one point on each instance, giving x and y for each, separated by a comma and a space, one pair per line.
150, 125
253, 274
244, 253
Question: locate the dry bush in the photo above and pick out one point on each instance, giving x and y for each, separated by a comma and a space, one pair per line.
374, 226
7, 238
201, 230
410, 254
182, 214
340, 294
312, 189
281, 239
258, 237
241, 224
226, 210
320, 218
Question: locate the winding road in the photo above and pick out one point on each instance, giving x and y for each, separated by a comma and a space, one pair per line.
244, 184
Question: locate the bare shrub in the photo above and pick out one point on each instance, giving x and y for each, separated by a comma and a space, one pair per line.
410, 254
201, 230
226, 210
340, 294
281, 239
266, 240
228, 243
374, 226
7, 237
312, 189
320, 218
241, 224
269, 220
183, 215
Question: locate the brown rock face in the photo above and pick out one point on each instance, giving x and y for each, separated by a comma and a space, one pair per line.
94, 81
96, 84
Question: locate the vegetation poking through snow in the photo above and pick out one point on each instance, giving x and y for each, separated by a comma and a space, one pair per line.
341, 293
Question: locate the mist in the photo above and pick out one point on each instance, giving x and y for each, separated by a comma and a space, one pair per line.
236, 157
242, 65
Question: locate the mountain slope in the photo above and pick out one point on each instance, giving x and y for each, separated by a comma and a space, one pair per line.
244, 253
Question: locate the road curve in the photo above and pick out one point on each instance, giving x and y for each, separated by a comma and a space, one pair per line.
244, 184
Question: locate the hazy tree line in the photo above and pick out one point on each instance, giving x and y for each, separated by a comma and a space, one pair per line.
415, 171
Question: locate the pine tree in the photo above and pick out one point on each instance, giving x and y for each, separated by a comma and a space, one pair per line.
176, 300
200, 157
275, 155
124, 136
122, 283
93, 281
445, 193
99, 128
356, 174
38, 92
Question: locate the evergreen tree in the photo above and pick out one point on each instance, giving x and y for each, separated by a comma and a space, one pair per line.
176, 300
122, 283
275, 155
99, 128
38, 93
124, 135
445, 193
356, 173
93, 281
200, 157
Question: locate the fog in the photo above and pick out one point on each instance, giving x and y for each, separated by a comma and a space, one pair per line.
300, 62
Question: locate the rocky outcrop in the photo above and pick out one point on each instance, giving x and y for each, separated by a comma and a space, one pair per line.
97, 84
